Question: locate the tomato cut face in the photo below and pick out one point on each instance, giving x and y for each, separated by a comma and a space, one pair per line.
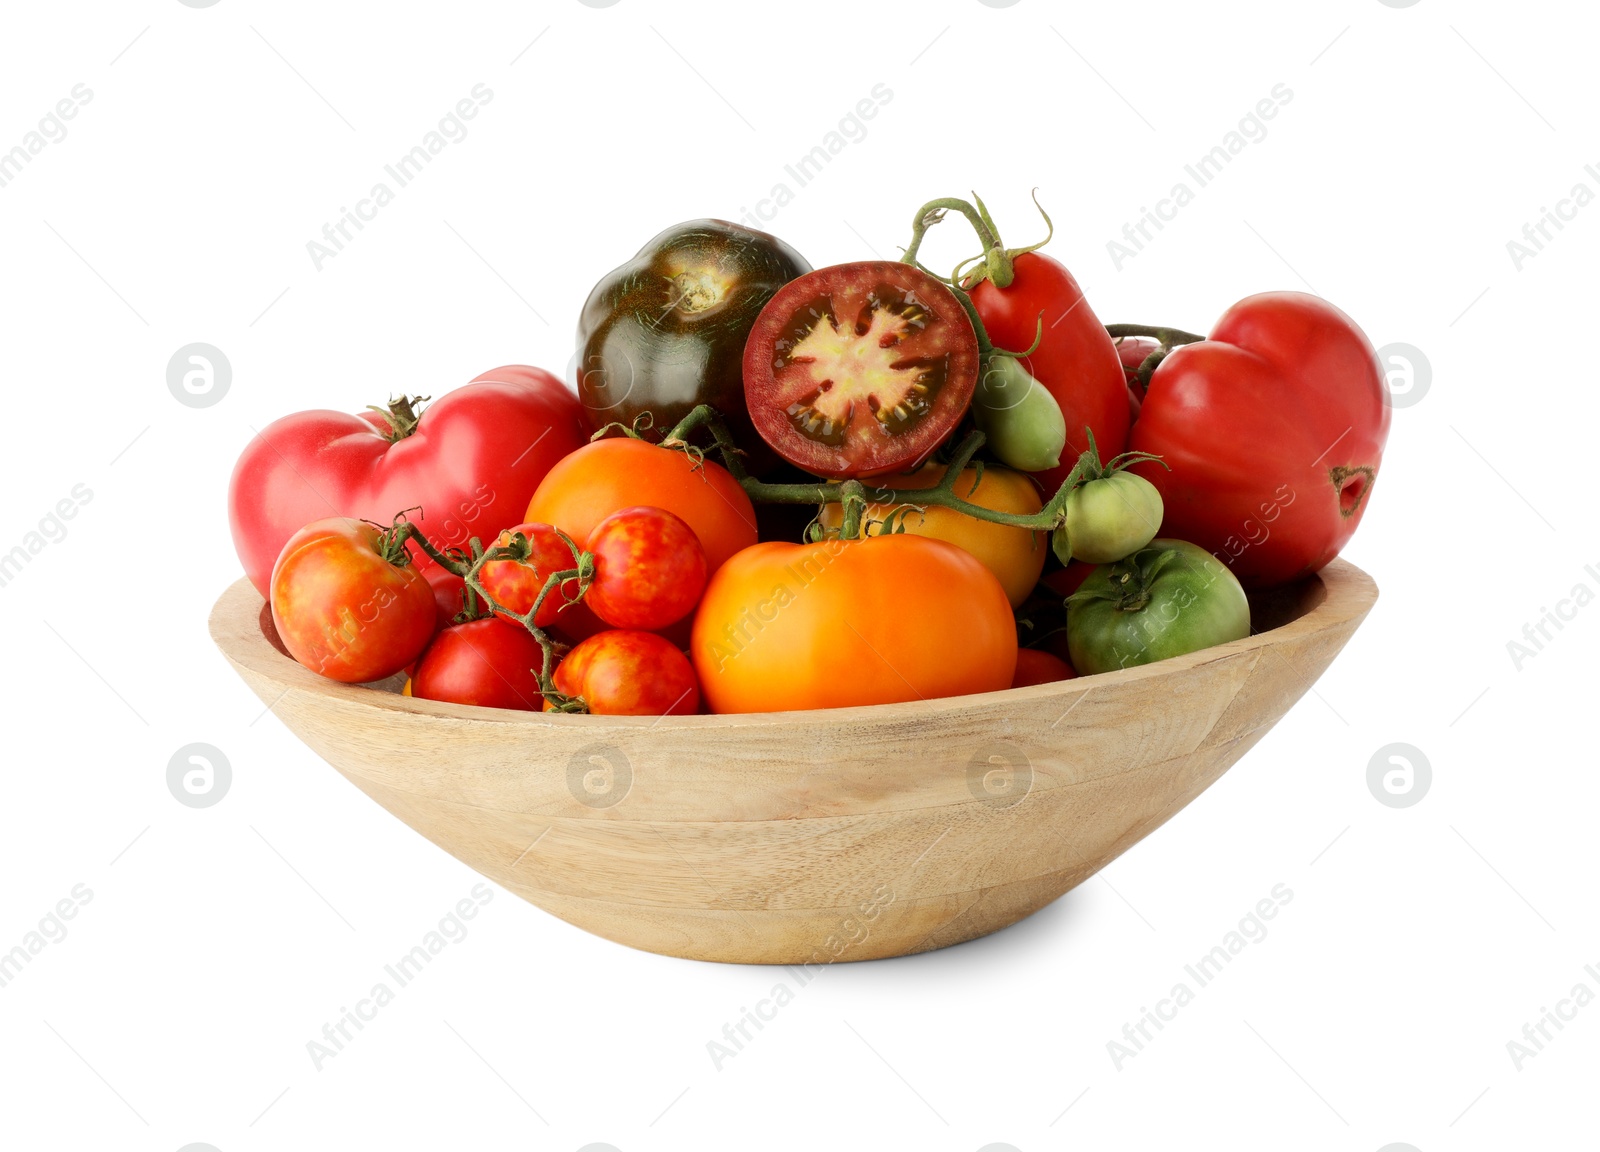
860, 369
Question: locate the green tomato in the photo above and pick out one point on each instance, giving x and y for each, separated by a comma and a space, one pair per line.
1165, 600
1112, 517
1021, 419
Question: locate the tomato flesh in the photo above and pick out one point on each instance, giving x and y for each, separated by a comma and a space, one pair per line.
860, 369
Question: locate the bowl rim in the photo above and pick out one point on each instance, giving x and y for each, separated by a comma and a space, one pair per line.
235, 626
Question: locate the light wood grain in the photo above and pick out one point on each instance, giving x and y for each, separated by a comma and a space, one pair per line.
761, 839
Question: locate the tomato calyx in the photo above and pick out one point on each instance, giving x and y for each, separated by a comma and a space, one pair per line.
400, 416
996, 259
1132, 580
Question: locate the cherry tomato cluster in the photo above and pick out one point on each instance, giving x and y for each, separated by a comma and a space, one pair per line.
778, 487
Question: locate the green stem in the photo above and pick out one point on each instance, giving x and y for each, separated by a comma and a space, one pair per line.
933, 211
1169, 337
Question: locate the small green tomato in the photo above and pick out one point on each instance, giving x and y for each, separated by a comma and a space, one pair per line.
1112, 517
1019, 416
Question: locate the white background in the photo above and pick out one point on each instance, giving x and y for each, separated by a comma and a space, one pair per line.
219, 941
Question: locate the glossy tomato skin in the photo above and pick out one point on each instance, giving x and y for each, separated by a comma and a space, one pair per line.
1015, 555
666, 331
843, 623
629, 673
472, 463
649, 569
515, 585
1273, 429
860, 369
620, 472
345, 611
1194, 602
1076, 360
489, 662
1035, 666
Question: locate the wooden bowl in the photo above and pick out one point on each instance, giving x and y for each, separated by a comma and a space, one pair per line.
810, 837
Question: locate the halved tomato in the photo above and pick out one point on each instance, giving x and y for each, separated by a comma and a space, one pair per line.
860, 369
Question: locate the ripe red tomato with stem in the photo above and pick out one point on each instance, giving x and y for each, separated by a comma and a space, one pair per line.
860, 369
516, 585
1029, 301
348, 602
649, 569
1272, 430
490, 662
629, 673
471, 460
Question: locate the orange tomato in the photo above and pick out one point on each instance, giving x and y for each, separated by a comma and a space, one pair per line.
626, 673
846, 622
1014, 555
608, 475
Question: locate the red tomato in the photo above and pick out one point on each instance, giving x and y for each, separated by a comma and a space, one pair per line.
471, 462
516, 584
1273, 429
649, 569
1132, 351
1075, 360
447, 593
627, 673
343, 608
846, 622
1038, 667
490, 662
621, 472
860, 369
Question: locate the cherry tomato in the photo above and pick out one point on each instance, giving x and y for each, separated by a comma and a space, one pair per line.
490, 662
609, 475
1273, 429
649, 569
628, 673
1015, 555
516, 584
1038, 667
447, 593
846, 622
344, 608
860, 369
1075, 358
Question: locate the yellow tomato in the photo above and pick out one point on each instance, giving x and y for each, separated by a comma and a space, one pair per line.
1014, 555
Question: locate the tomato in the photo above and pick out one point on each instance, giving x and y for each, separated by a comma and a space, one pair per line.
649, 569
1111, 517
344, 608
847, 622
621, 472
471, 461
1021, 420
1273, 429
1015, 555
628, 673
490, 662
666, 331
1075, 359
448, 589
860, 369
1165, 600
1133, 351
1037, 667
515, 584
